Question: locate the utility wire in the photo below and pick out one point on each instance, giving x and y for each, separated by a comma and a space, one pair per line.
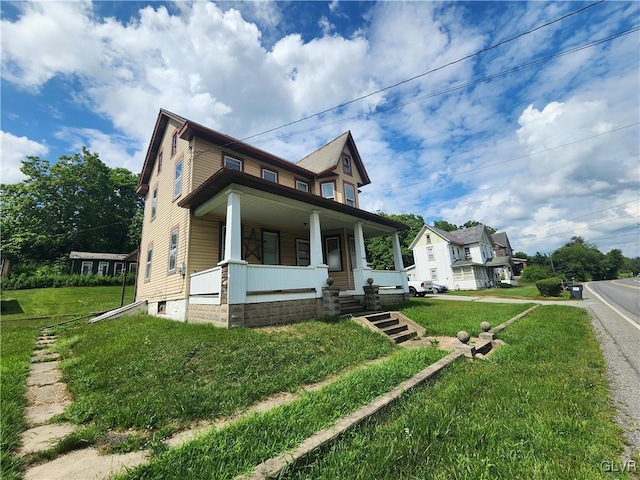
450, 89
479, 52
489, 165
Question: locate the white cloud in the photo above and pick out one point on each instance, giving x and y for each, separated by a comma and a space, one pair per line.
14, 150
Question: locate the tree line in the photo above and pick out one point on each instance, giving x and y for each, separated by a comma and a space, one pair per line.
79, 203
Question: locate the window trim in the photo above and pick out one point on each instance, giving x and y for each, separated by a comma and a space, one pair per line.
177, 180
154, 202
346, 199
274, 172
148, 261
333, 184
88, 263
277, 236
300, 241
431, 257
106, 271
337, 237
231, 157
174, 143
306, 184
434, 274
159, 161
352, 251
115, 268
348, 166
173, 251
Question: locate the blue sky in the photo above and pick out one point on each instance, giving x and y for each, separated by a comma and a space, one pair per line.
542, 148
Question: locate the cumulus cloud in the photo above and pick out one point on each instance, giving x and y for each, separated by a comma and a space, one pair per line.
14, 150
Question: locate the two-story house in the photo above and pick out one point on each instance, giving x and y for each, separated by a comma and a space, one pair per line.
464, 259
234, 235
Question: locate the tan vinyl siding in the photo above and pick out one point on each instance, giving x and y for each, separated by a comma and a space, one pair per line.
163, 285
203, 246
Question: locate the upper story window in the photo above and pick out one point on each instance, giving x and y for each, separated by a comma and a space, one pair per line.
430, 255
174, 144
467, 253
302, 186
154, 203
232, 163
428, 238
270, 175
177, 184
328, 190
159, 162
346, 165
349, 194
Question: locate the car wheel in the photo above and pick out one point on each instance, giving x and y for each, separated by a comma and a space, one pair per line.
413, 292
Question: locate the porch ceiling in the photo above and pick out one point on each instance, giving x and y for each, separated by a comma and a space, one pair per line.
268, 203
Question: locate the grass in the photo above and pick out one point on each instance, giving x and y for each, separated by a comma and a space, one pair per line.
17, 341
449, 317
238, 448
53, 302
157, 376
524, 291
537, 408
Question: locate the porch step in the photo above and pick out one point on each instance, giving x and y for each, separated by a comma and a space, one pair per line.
392, 325
349, 305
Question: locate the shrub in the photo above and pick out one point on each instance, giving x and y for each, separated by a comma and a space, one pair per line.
24, 281
504, 285
533, 273
550, 287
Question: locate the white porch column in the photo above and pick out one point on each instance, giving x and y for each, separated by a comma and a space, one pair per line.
315, 239
233, 237
361, 256
397, 252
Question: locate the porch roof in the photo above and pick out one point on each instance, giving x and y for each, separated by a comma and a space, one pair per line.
270, 199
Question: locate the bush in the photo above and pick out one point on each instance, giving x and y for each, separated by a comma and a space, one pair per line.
24, 281
550, 287
504, 285
533, 273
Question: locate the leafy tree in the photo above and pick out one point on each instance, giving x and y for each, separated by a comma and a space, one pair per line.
380, 249
534, 273
446, 226
612, 263
76, 204
579, 259
521, 255
631, 266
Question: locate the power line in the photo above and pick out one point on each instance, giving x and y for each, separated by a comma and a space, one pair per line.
479, 52
466, 172
450, 89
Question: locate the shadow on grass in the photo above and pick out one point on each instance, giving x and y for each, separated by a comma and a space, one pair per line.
10, 307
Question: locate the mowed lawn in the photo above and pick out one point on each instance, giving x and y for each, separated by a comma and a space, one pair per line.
448, 317
524, 291
536, 408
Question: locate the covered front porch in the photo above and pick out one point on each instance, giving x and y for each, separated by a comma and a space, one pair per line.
276, 254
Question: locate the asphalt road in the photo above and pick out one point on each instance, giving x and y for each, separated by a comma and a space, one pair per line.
615, 305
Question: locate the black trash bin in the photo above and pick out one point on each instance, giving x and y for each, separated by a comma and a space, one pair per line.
575, 291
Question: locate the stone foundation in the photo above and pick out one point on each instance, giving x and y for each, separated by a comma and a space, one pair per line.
215, 314
393, 298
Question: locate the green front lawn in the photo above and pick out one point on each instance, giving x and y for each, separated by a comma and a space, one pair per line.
441, 317
524, 291
536, 408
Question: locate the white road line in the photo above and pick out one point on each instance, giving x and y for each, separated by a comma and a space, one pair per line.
631, 321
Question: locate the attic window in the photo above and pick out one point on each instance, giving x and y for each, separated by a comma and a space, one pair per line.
270, 175
302, 186
428, 238
159, 162
174, 144
346, 165
232, 163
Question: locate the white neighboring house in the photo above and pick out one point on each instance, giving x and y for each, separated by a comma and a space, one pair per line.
463, 259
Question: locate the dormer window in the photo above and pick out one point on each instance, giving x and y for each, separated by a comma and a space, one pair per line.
346, 165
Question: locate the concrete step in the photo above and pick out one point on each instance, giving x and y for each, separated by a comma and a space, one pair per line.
390, 331
374, 317
381, 324
403, 336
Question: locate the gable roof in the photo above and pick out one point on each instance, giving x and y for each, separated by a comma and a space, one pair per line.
501, 239
442, 233
327, 157
470, 235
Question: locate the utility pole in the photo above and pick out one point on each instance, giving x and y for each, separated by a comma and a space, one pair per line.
553, 268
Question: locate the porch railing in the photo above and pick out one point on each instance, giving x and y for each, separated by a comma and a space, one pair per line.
387, 278
270, 278
206, 282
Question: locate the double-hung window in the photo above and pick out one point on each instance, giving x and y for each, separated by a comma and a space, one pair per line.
87, 268
346, 165
303, 253
270, 248
159, 162
147, 271
332, 252
177, 183
154, 203
349, 194
174, 144
173, 250
430, 255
